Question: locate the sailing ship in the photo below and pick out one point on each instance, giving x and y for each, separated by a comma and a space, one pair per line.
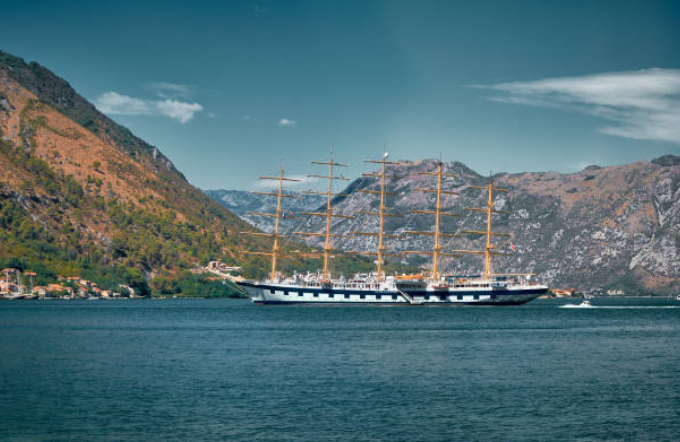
377, 287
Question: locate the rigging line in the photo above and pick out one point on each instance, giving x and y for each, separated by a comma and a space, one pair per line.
303, 222
353, 221
297, 227
309, 222
450, 241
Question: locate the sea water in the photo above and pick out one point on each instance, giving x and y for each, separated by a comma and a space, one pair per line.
227, 370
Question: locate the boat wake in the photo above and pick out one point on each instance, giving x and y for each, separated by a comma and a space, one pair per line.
577, 306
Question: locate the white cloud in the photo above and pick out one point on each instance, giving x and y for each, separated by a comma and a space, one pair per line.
643, 104
173, 90
287, 122
247, 118
178, 110
113, 103
272, 184
116, 104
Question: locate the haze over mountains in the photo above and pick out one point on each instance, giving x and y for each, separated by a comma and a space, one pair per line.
601, 228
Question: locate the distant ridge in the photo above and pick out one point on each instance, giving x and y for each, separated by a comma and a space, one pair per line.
247, 202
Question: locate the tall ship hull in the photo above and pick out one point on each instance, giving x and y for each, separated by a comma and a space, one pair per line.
277, 293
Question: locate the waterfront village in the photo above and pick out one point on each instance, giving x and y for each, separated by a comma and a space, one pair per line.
15, 284
21, 285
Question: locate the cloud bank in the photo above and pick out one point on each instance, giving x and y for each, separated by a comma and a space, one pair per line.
643, 105
113, 103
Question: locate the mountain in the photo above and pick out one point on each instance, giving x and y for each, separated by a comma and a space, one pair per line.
601, 228
81, 195
243, 203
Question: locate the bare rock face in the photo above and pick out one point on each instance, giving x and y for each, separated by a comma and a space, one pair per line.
601, 228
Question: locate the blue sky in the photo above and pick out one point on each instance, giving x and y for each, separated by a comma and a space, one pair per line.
229, 89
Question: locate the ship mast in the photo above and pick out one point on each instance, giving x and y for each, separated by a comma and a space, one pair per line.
329, 215
488, 251
275, 253
437, 250
380, 213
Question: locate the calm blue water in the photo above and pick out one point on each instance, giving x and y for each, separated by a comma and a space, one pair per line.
225, 370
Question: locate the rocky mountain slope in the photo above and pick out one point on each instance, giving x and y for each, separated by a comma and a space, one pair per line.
601, 228
80, 194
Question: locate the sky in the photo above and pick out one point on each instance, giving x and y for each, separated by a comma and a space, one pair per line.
228, 90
